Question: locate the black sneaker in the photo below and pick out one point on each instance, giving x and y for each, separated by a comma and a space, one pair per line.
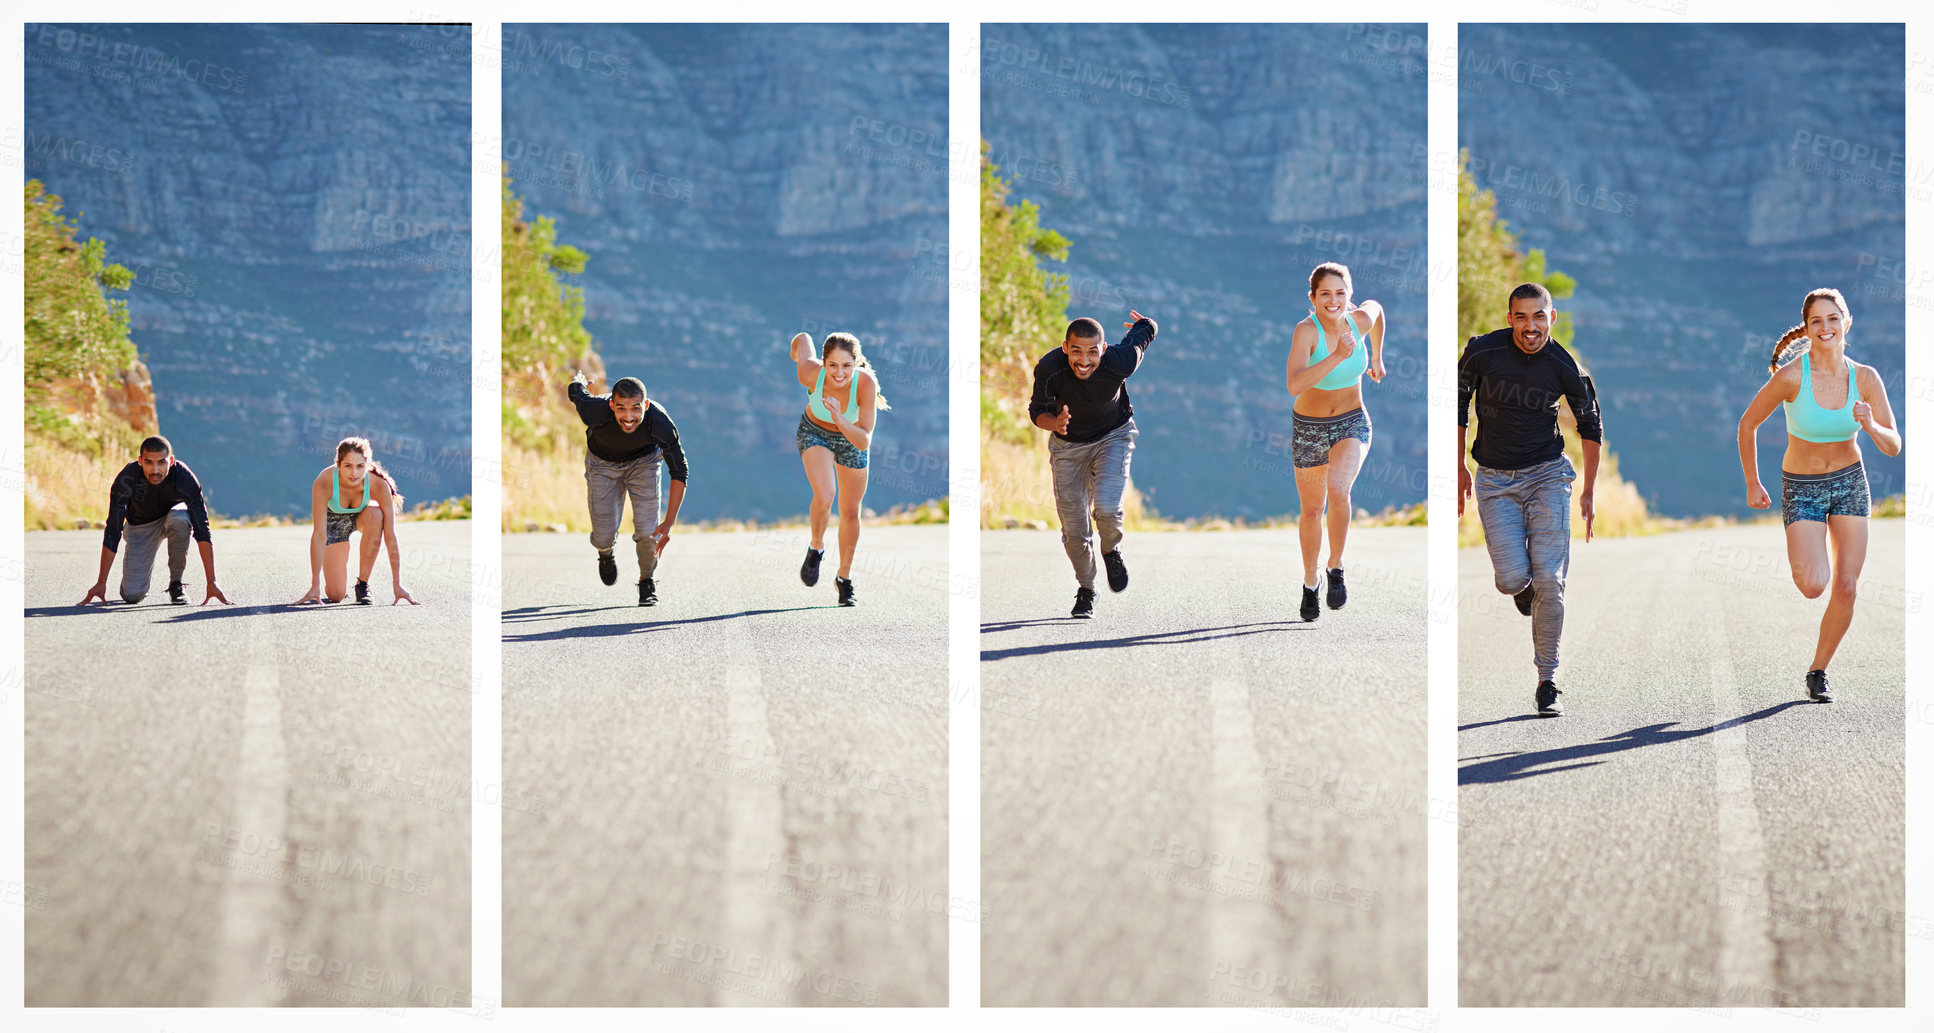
1525, 598
1548, 704
845, 586
607, 568
647, 593
809, 570
1338, 594
176, 595
1084, 603
1311, 608
1816, 687
362, 593
1117, 570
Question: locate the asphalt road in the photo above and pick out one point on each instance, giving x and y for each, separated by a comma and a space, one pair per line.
1195, 798
1693, 832
254, 804
738, 796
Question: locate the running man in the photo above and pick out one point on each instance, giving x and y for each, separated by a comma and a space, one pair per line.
1330, 428
156, 497
626, 440
1080, 395
1824, 499
1523, 487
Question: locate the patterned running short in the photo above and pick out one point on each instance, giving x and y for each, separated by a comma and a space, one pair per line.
844, 451
1817, 496
338, 528
1312, 437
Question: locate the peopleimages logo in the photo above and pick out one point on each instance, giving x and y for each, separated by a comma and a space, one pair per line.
1130, 82
86, 46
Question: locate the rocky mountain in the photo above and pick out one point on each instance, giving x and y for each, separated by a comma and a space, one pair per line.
294, 201
734, 185
1201, 171
1698, 180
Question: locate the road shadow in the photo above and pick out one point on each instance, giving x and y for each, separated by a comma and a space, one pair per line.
642, 627
1156, 638
532, 614
1038, 622
1510, 767
163, 613
1500, 721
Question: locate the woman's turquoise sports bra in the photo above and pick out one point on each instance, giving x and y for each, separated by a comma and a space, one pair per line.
1347, 372
1806, 420
816, 400
335, 493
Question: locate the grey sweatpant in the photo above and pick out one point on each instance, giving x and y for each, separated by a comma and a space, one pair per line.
1091, 478
140, 543
606, 485
1527, 529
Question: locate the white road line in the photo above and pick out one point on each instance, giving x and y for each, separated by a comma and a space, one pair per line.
250, 902
1745, 940
756, 921
1240, 931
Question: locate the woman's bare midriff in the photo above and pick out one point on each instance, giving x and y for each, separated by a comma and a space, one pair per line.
1318, 403
1811, 457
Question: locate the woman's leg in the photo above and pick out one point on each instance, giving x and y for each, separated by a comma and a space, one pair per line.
852, 493
369, 524
1346, 459
335, 571
1849, 534
1312, 488
1806, 553
819, 473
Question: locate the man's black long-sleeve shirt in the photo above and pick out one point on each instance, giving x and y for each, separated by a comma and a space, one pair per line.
1099, 404
609, 442
1517, 400
132, 500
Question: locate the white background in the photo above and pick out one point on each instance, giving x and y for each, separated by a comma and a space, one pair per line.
964, 19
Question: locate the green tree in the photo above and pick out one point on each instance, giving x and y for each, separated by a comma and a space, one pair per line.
1023, 306
72, 326
543, 316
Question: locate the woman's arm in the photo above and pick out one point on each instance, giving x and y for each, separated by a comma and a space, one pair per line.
1878, 415
1302, 375
318, 519
1778, 388
1375, 311
801, 351
860, 431
387, 499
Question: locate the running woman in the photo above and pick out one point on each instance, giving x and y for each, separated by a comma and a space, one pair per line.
1517, 376
835, 433
626, 440
1080, 394
1829, 399
156, 497
354, 495
1331, 432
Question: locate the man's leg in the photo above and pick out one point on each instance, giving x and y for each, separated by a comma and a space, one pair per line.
1073, 500
1502, 516
139, 544
605, 497
1110, 476
1547, 517
179, 529
641, 482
